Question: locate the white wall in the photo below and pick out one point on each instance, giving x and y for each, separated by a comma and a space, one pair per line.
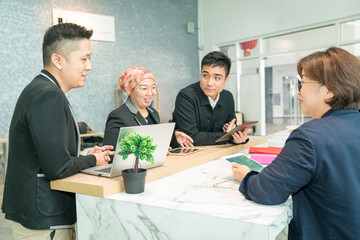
222, 21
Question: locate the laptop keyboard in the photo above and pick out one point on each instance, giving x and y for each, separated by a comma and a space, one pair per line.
104, 170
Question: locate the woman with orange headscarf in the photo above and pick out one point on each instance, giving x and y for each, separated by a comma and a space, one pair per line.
140, 86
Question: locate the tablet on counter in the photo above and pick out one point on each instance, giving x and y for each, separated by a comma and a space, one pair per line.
243, 160
184, 151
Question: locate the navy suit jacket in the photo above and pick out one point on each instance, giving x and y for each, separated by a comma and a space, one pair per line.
320, 167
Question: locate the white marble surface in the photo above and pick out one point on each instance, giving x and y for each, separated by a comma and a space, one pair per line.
277, 139
199, 203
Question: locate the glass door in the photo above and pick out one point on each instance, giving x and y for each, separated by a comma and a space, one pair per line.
281, 104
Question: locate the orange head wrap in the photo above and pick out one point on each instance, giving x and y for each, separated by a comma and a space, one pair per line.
131, 77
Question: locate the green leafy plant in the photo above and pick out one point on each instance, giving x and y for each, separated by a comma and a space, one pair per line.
141, 147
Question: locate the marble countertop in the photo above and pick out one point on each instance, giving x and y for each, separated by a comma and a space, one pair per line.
210, 189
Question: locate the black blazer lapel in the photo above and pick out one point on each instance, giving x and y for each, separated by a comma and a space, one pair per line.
154, 114
139, 119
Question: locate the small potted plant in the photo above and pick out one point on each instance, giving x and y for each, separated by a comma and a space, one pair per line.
142, 148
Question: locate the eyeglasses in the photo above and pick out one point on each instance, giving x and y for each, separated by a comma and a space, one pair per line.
145, 90
301, 82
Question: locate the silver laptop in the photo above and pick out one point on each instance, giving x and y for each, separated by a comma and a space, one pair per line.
161, 133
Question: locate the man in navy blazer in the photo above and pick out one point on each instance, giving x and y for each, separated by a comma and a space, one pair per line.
320, 163
44, 140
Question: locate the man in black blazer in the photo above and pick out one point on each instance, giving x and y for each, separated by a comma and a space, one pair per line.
44, 140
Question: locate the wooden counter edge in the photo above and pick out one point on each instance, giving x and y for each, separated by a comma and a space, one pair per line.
102, 187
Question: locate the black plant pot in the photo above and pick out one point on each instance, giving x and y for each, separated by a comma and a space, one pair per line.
134, 182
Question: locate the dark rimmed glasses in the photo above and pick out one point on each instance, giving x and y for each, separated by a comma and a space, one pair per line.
300, 82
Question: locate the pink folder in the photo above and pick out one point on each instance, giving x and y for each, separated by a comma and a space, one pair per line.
264, 159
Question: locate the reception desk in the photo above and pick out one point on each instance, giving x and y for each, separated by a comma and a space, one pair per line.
191, 197
103, 187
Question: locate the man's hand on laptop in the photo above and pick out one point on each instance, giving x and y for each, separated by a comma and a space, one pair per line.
102, 154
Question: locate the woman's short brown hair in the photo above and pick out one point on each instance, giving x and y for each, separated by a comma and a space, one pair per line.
339, 71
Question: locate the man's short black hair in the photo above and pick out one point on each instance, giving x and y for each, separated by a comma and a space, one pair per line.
63, 38
217, 59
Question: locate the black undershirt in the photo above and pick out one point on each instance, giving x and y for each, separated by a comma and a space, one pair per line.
150, 120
